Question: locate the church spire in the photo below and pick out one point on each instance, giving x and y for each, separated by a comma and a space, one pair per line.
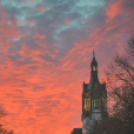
93, 51
94, 70
94, 62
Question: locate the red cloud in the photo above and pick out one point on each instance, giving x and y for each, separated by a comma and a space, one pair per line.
40, 90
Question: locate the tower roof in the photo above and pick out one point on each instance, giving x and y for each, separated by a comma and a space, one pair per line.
94, 81
94, 62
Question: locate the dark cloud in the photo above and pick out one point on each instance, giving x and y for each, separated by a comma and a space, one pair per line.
128, 5
43, 110
98, 19
14, 57
37, 88
32, 120
25, 61
34, 67
55, 14
48, 103
23, 102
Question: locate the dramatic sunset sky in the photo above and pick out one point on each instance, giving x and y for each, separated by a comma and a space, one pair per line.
45, 55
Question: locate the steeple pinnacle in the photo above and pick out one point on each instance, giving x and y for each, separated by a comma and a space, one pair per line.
93, 51
94, 62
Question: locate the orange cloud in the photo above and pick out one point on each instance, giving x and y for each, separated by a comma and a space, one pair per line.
41, 90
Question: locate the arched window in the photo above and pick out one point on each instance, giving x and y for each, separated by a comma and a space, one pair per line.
94, 68
96, 104
87, 104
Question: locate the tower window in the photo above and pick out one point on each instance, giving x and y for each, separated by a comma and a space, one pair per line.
94, 68
87, 104
96, 104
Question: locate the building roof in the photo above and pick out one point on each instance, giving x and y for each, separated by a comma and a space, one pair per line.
85, 87
77, 131
91, 85
94, 62
103, 88
94, 84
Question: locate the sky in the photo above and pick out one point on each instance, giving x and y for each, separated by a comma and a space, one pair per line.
46, 49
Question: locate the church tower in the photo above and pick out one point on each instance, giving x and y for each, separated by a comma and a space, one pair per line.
94, 100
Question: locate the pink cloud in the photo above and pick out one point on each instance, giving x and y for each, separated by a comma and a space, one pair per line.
113, 10
67, 21
41, 8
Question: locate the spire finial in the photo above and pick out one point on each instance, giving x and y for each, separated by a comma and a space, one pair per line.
93, 51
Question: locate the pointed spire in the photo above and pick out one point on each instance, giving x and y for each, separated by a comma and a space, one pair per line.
94, 62
93, 54
93, 51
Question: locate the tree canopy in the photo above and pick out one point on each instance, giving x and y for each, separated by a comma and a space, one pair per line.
3, 130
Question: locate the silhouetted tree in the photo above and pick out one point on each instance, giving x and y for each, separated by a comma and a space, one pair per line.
111, 125
2, 129
120, 82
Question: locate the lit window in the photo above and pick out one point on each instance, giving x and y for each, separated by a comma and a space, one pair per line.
94, 68
87, 103
96, 104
